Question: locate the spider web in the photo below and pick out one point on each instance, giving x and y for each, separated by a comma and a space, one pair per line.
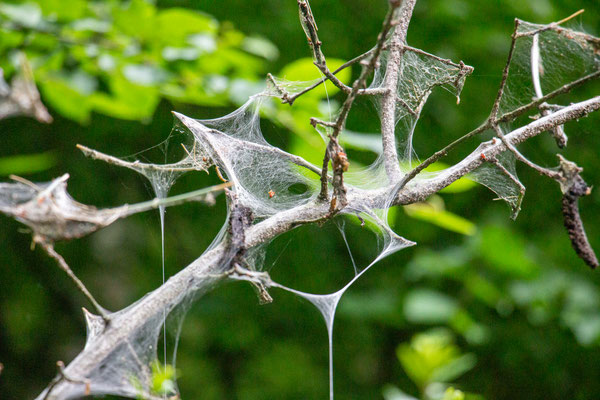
269, 182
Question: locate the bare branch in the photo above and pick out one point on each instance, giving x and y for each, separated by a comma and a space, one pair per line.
49, 248
334, 150
204, 272
388, 102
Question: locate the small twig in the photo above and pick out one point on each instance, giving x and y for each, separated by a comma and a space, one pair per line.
491, 121
407, 107
554, 26
260, 280
388, 101
324, 193
316, 121
494, 114
309, 25
193, 158
509, 116
576, 13
543, 171
285, 96
62, 375
289, 99
173, 200
49, 248
513, 178
136, 165
446, 61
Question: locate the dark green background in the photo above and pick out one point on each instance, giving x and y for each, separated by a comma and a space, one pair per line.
233, 348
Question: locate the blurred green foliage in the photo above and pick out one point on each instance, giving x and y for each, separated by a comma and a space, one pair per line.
513, 296
120, 58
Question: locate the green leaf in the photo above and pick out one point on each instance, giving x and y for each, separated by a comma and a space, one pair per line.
28, 15
454, 368
144, 75
426, 306
362, 141
66, 100
304, 69
136, 19
453, 394
62, 10
433, 357
175, 25
27, 163
10, 39
126, 100
163, 379
260, 47
505, 252
433, 212
391, 392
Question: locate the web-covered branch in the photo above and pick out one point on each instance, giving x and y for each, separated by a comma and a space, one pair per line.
205, 272
273, 192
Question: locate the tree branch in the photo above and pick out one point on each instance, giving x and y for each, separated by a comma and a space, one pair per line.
201, 275
390, 83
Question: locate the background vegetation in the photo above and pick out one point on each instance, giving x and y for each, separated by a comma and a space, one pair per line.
498, 308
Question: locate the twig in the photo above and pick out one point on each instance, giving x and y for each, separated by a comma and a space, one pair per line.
136, 165
62, 375
309, 25
509, 116
491, 120
388, 101
496, 106
554, 26
49, 248
543, 171
182, 166
200, 274
334, 149
514, 179
172, 200
289, 98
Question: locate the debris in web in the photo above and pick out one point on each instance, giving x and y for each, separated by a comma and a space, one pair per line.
21, 97
573, 187
500, 176
269, 182
53, 215
553, 56
266, 179
420, 73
